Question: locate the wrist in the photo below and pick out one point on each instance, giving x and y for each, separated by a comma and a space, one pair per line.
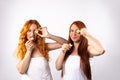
29, 51
49, 35
85, 33
63, 52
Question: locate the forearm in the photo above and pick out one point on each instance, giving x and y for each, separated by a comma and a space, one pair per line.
95, 42
22, 65
59, 61
57, 39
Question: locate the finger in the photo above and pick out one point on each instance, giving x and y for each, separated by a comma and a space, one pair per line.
39, 29
40, 35
27, 42
45, 27
70, 45
67, 48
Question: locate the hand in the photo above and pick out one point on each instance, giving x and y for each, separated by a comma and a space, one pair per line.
30, 45
83, 31
44, 32
66, 47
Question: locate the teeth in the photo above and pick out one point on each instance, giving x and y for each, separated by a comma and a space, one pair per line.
78, 31
70, 44
36, 31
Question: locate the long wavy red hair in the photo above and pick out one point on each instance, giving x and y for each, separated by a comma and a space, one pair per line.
21, 50
82, 51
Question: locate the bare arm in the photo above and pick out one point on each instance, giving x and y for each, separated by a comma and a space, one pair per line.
60, 59
57, 44
59, 40
22, 65
95, 48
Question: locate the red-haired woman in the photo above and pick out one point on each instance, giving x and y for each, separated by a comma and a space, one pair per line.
32, 51
74, 57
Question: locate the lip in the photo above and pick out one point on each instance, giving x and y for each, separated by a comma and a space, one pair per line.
74, 37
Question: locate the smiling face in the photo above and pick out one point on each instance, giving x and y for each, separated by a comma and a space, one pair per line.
74, 34
31, 32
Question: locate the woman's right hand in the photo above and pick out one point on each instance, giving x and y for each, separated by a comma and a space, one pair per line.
84, 31
66, 47
30, 45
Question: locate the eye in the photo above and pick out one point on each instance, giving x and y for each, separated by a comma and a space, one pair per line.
71, 31
29, 31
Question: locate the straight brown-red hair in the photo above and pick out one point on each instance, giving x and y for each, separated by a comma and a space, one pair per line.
82, 51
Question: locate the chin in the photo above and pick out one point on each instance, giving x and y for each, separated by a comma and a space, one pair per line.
76, 41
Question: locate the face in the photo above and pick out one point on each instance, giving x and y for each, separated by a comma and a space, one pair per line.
31, 32
74, 34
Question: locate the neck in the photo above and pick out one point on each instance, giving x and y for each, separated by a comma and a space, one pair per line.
76, 44
75, 50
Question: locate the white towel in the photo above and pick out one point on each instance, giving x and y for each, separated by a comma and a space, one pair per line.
25, 77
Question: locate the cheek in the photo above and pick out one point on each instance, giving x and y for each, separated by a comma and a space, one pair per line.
28, 35
70, 35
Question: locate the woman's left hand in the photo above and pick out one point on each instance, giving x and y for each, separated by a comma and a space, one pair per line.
44, 31
83, 31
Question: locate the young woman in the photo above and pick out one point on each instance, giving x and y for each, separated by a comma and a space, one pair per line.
32, 51
74, 57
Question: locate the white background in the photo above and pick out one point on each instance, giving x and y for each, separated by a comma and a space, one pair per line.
102, 18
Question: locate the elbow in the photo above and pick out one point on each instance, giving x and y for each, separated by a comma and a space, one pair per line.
101, 52
97, 53
58, 67
21, 71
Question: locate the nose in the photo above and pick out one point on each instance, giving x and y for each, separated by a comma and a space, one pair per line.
74, 33
32, 33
